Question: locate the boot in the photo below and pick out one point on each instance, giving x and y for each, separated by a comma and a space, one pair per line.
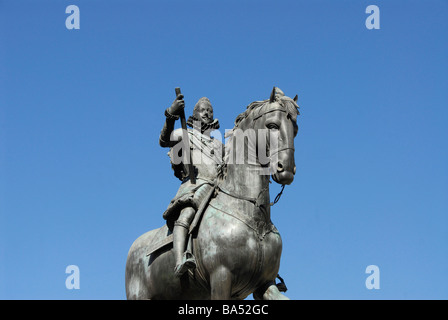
184, 260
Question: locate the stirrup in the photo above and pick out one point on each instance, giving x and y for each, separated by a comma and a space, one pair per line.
187, 263
281, 286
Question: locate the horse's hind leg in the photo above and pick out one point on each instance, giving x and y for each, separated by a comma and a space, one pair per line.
221, 284
269, 292
135, 280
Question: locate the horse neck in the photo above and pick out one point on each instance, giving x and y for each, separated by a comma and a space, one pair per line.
246, 180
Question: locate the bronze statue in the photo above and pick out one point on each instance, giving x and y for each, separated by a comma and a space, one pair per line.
233, 248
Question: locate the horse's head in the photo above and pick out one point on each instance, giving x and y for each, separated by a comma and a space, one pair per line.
275, 121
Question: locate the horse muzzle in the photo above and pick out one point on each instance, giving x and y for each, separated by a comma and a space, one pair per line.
282, 175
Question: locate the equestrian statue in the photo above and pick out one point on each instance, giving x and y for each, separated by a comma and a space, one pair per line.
218, 241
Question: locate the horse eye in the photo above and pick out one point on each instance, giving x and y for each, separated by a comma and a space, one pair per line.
272, 126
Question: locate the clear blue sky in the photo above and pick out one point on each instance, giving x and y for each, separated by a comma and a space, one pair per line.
82, 174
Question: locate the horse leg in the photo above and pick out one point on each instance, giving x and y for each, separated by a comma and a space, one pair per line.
135, 277
269, 292
221, 284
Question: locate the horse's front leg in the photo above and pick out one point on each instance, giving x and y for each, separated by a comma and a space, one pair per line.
269, 292
221, 284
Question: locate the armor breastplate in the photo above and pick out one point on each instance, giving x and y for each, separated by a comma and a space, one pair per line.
206, 155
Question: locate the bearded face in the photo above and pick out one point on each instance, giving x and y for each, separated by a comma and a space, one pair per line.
204, 113
202, 118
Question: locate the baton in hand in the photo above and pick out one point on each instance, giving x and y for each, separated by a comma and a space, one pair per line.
186, 140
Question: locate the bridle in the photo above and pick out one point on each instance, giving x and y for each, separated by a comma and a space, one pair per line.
278, 196
269, 111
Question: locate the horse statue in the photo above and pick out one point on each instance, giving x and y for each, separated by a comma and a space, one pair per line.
236, 246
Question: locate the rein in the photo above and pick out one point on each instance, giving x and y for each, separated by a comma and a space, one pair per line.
282, 149
279, 195
253, 200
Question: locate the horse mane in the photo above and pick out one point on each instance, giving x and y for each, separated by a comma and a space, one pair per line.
289, 104
286, 102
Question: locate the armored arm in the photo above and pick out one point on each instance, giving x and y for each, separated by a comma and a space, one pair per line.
164, 139
172, 114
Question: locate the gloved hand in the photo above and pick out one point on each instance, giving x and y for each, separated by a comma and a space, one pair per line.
177, 106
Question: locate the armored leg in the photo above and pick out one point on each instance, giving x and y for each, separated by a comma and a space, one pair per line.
184, 260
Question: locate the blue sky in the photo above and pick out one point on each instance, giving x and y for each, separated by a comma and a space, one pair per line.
82, 174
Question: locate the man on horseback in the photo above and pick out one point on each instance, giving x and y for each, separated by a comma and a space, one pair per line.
205, 154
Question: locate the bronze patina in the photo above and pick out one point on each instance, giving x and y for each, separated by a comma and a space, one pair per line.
218, 241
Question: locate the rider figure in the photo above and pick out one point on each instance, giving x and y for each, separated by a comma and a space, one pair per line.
206, 156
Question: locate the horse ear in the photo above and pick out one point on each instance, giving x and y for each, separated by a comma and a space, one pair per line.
295, 98
272, 98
